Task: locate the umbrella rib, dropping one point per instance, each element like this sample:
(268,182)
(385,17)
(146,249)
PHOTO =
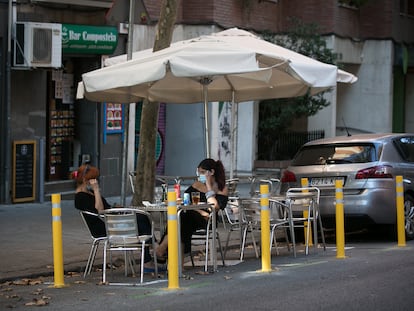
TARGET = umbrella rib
(231,86)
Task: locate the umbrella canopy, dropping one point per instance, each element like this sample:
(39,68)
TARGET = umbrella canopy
(233,64)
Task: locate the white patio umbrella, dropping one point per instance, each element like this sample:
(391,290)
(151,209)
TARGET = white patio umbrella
(232,65)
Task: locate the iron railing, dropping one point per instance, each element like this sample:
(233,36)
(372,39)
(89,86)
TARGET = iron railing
(284,146)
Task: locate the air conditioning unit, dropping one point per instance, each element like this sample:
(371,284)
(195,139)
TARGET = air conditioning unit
(38,45)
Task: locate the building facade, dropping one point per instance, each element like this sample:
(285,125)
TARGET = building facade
(374,40)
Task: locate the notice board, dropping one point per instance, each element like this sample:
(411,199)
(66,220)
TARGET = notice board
(24,171)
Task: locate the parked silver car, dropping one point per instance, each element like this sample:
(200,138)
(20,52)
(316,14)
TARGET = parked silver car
(367,164)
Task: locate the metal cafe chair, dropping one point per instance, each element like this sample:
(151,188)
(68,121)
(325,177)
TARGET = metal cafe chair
(233,221)
(206,235)
(250,216)
(96,227)
(300,200)
(279,219)
(123,235)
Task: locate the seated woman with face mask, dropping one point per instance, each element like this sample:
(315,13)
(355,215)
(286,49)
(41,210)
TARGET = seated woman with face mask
(211,184)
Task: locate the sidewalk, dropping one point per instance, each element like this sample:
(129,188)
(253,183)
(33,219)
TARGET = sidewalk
(27,243)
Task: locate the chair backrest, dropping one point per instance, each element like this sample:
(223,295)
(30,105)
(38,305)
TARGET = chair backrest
(121,226)
(250,210)
(95,224)
(255,182)
(232,210)
(232,186)
(275,188)
(278,211)
(300,198)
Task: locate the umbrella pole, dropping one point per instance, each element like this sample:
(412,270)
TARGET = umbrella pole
(205,82)
(232,142)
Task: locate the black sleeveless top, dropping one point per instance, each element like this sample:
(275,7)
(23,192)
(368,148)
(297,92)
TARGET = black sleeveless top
(221,198)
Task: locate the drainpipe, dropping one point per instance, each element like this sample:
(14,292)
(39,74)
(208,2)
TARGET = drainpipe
(124,173)
(7,132)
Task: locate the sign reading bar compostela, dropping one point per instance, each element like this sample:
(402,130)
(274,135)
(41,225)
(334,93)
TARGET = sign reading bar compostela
(24,170)
(84,39)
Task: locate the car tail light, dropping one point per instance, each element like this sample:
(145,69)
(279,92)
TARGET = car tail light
(381,171)
(288,176)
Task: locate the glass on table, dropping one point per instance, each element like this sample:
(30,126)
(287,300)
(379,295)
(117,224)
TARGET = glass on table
(195,197)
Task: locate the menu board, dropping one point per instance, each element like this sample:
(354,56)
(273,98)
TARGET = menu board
(24,171)
(113,119)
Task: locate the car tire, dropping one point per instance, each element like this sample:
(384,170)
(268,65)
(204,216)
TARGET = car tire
(409,216)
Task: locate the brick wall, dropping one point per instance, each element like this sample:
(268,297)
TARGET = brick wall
(374,20)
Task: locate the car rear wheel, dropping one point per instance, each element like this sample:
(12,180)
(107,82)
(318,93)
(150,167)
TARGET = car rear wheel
(409,216)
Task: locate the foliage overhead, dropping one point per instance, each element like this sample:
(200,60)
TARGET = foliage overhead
(277,115)
(303,38)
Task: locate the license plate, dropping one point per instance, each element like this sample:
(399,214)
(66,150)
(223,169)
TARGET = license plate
(325,181)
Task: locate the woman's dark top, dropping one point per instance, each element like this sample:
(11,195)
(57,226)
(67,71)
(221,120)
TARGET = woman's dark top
(221,198)
(191,221)
(86,202)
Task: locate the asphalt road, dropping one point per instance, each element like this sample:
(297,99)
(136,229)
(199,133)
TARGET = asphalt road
(375,275)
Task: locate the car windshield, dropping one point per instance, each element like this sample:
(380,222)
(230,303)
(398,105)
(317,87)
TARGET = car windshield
(335,154)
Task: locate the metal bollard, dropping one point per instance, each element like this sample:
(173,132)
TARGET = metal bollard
(173,240)
(57,241)
(400,210)
(339,217)
(265,227)
(305,183)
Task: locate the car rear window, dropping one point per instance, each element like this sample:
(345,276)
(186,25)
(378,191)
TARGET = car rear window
(335,154)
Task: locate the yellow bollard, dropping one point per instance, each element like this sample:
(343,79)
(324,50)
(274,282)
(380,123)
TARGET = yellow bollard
(57,241)
(400,211)
(339,217)
(265,227)
(173,240)
(304,183)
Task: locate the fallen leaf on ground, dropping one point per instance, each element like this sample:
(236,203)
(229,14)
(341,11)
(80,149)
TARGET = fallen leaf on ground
(7,283)
(21,282)
(12,296)
(79,282)
(35,282)
(37,302)
(38,291)
(27,282)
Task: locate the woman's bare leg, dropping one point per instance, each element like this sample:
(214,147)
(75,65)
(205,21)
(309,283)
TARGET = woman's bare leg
(162,247)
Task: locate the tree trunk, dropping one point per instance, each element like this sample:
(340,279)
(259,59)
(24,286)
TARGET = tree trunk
(146,164)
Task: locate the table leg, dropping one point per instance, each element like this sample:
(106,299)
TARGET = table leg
(213,242)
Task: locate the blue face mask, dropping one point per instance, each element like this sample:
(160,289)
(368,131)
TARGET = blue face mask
(202,178)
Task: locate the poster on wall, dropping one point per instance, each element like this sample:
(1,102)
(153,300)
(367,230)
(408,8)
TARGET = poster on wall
(113,119)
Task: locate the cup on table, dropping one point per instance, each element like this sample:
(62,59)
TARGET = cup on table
(195,197)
